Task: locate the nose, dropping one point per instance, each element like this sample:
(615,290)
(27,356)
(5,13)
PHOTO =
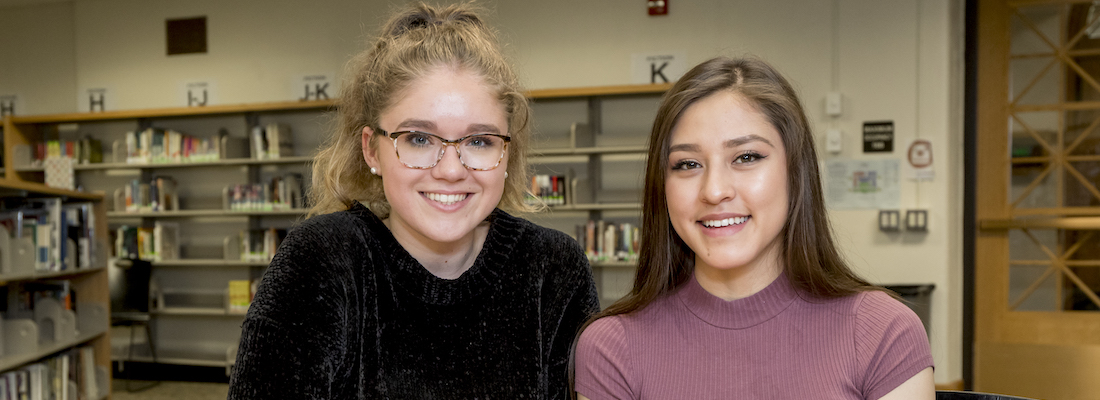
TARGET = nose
(450,168)
(717,187)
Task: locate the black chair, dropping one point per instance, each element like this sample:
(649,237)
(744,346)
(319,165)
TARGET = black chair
(129,284)
(960,395)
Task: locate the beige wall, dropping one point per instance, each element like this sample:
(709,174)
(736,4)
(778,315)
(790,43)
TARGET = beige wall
(897,60)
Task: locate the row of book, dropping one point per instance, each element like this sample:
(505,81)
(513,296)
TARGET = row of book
(281,193)
(161,242)
(86,150)
(158,145)
(271,141)
(71,375)
(608,241)
(44,234)
(260,244)
(548,189)
(159,194)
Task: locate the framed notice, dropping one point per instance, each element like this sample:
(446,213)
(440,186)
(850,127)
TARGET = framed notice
(862,184)
(878,137)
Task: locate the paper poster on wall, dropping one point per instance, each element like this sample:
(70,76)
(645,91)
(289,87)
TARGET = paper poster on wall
(311,87)
(657,67)
(862,184)
(10,104)
(920,160)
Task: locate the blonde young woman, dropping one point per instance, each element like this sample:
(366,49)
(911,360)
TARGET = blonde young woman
(410,280)
(740,290)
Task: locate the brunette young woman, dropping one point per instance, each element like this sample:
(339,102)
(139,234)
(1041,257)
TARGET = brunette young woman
(410,281)
(740,290)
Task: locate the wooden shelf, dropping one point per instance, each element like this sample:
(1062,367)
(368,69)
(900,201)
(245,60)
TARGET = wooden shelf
(204,213)
(590,151)
(219,163)
(10,362)
(597,207)
(174,112)
(601,91)
(615,264)
(6,279)
(196,312)
(209,263)
(32,189)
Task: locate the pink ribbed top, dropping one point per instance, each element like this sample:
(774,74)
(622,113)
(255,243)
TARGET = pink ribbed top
(774,344)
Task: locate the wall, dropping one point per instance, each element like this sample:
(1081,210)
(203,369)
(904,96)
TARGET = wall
(898,60)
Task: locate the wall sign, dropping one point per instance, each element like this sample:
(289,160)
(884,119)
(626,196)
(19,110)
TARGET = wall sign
(878,137)
(313,87)
(95,99)
(198,93)
(657,67)
(9,104)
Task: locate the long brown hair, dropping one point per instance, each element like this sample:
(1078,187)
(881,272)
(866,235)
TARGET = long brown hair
(810,257)
(412,43)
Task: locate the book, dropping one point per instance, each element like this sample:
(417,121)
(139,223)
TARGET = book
(239,296)
(166,238)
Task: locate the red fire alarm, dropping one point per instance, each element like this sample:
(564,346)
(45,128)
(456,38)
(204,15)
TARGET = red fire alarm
(657,7)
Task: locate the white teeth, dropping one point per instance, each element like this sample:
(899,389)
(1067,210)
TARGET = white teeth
(725,222)
(447,199)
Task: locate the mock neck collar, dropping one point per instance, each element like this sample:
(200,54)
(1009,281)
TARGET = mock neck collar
(740,313)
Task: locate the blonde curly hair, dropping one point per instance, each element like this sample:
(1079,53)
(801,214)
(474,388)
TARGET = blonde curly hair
(412,43)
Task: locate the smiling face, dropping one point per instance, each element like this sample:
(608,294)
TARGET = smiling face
(440,206)
(727,186)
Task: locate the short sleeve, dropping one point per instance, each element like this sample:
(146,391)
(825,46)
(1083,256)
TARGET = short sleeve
(890,342)
(603,362)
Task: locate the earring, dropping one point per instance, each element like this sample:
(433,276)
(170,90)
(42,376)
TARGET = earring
(374,170)
(505,174)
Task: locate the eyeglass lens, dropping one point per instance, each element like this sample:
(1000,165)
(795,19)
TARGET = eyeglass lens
(423,150)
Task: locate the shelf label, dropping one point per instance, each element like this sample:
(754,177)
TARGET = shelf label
(9,103)
(657,67)
(95,99)
(198,93)
(312,87)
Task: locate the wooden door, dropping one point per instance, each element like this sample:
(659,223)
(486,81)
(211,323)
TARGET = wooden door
(1037,248)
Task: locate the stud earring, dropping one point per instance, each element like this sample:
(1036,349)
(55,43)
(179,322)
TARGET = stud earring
(505,174)
(374,170)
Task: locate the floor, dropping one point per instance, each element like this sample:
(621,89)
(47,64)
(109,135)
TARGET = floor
(169,390)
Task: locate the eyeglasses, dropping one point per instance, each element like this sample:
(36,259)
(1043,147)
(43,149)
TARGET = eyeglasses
(423,150)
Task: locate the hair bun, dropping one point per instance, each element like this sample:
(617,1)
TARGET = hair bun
(422,16)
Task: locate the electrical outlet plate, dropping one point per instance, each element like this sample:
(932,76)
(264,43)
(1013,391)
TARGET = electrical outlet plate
(834,140)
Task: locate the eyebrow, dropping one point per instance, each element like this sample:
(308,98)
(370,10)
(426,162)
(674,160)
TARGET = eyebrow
(745,140)
(727,144)
(431,127)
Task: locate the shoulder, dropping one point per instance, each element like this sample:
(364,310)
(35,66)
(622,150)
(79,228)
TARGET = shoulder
(603,366)
(876,310)
(530,232)
(537,245)
(890,342)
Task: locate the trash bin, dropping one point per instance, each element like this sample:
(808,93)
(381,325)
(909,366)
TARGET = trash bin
(919,299)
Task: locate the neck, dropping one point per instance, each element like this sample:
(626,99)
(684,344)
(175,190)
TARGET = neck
(447,260)
(738,282)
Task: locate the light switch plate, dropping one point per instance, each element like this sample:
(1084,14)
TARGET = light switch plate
(833,103)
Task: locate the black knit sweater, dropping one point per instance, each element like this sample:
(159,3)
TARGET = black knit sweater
(344,312)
